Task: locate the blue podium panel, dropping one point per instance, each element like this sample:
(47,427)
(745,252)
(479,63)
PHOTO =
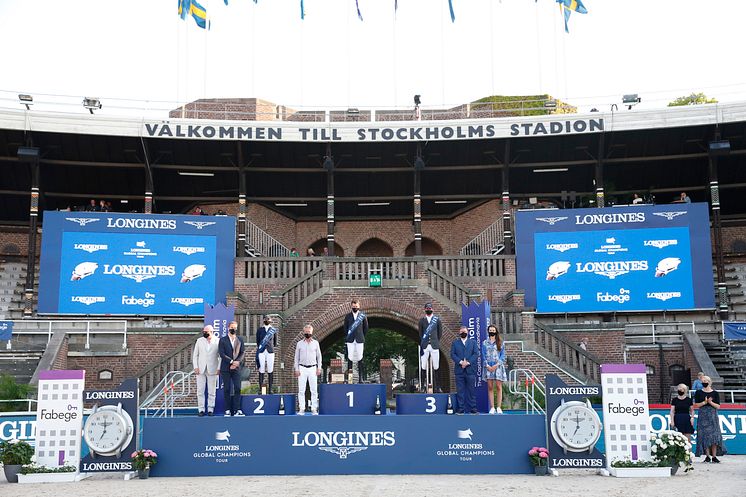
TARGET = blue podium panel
(424,403)
(337,398)
(335,445)
(263,405)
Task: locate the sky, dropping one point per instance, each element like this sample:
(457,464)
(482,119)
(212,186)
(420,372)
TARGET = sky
(141,54)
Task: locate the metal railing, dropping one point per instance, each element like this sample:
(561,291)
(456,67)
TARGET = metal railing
(153,373)
(19,401)
(469,266)
(581,360)
(161,401)
(653,333)
(485,242)
(50,324)
(508,319)
(301,289)
(360,268)
(263,242)
(524,383)
(278,268)
(452,291)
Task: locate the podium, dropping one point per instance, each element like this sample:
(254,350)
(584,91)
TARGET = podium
(337,398)
(267,405)
(424,403)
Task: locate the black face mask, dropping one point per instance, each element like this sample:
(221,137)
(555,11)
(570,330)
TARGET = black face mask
(206,334)
(267,322)
(705,385)
(463,335)
(355,309)
(681,392)
(492,333)
(307,335)
(232,331)
(428,312)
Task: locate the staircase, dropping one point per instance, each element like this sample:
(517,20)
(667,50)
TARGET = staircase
(20,364)
(731,368)
(488,242)
(260,243)
(12,283)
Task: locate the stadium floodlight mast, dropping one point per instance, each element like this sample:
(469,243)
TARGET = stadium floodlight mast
(26,100)
(631,100)
(91,103)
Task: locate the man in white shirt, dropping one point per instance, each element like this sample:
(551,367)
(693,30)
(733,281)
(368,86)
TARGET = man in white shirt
(307,368)
(206,363)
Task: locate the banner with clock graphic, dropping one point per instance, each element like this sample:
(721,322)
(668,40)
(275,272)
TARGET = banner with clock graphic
(573,426)
(111,429)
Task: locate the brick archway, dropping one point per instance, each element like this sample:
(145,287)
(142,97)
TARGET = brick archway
(405,315)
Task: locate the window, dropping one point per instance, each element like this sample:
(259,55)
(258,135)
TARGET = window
(649,369)
(105,374)
(675,368)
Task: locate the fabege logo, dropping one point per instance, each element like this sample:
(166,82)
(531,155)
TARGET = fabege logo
(90,247)
(663,295)
(88,300)
(192,272)
(660,243)
(146,301)
(551,220)
(561,247)
(187,301)
(189,250)
(557,269)
(200,224)
(667,265)
(83,270)
(621,298)
(563,299)
(82,221)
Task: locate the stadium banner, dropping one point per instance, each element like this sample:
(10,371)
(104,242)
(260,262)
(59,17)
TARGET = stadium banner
(331,445)
(219,316)
(414,131)
(59,418)
(734,330)
(6,330)
(630,258)
(476,317)
(134,264)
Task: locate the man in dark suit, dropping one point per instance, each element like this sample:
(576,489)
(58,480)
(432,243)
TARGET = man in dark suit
(356,327)
(231,350)
(430,333)
(464,354)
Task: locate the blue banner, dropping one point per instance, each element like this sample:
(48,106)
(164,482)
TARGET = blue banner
(632,258)
(6,330)
(331,445)
(476,317)
(134,264)
(734,330)
(219,317)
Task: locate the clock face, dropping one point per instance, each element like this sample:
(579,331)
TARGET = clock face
(106,430)
(577,426)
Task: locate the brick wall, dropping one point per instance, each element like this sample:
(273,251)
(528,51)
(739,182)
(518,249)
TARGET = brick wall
(734,239)
(651,356)
(608,346)
(14,241)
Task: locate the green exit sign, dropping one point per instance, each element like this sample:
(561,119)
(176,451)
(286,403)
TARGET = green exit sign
(374,280)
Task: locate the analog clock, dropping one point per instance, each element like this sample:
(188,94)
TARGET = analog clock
(108,430)
(575,426)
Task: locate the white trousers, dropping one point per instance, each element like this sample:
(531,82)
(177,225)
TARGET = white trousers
(211,381)
(309,375)
(266,362)
(355,351)
(430,352)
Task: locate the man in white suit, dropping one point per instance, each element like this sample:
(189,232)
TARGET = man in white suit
(206,363)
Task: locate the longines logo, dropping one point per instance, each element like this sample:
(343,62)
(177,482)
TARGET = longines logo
(611,269)
(90,247)
(152,224)
(87,300)
(465,451)
(551,220)
(137,272)
(187,301)
(189,250)
(561,247)
(670,215)
(563,299)
(222,450)
(663,295)
(200,224)
(82,221)
(344,443)
(660,243)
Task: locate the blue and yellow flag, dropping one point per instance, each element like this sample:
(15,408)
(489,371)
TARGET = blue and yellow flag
(194,9)
(568,6)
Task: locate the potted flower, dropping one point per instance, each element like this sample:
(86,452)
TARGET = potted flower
(672,449)
(142,460)
(638,469)
(14,454)
(539,457)
(35,473)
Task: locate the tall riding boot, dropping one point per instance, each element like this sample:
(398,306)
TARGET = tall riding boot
(361,372)
(436,386)
(349,371)
(269,382)
(261,381)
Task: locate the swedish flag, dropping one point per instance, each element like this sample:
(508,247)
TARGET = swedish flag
(569,6)
(194,9)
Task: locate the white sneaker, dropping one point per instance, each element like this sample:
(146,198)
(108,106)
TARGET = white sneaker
(226,413)
(492,410)
(499,411)
(314,412)
(240,413)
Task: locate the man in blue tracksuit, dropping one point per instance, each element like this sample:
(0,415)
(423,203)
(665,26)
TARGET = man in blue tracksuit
(464,354)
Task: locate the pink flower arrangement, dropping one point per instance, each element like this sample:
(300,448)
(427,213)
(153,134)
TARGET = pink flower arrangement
(538,456)
(144,458)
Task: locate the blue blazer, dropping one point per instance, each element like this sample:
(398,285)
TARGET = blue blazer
(468,351)
(226,352)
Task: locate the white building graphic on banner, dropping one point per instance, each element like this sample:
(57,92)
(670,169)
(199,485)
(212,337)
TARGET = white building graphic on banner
(59,418)
(626,420)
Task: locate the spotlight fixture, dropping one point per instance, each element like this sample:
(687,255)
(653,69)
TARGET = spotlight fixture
(329,163)
(28,153)
(631,100)
(419,164)
(26,100)
(719,148)
(417,100)
(91,104)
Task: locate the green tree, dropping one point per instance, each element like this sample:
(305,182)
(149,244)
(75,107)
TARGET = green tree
(11,390)
(379,344)
(693,99)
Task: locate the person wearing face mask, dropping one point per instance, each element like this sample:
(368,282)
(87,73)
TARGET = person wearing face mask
(464,353)
(356,326)
(307,368)
(266,341)
(206,364)
(493,370)
(231,350)
(682,412)
(709,437)
(430,332)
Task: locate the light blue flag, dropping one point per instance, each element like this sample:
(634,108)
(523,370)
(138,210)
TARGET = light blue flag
(450,7)
(358,10)
(568,6)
